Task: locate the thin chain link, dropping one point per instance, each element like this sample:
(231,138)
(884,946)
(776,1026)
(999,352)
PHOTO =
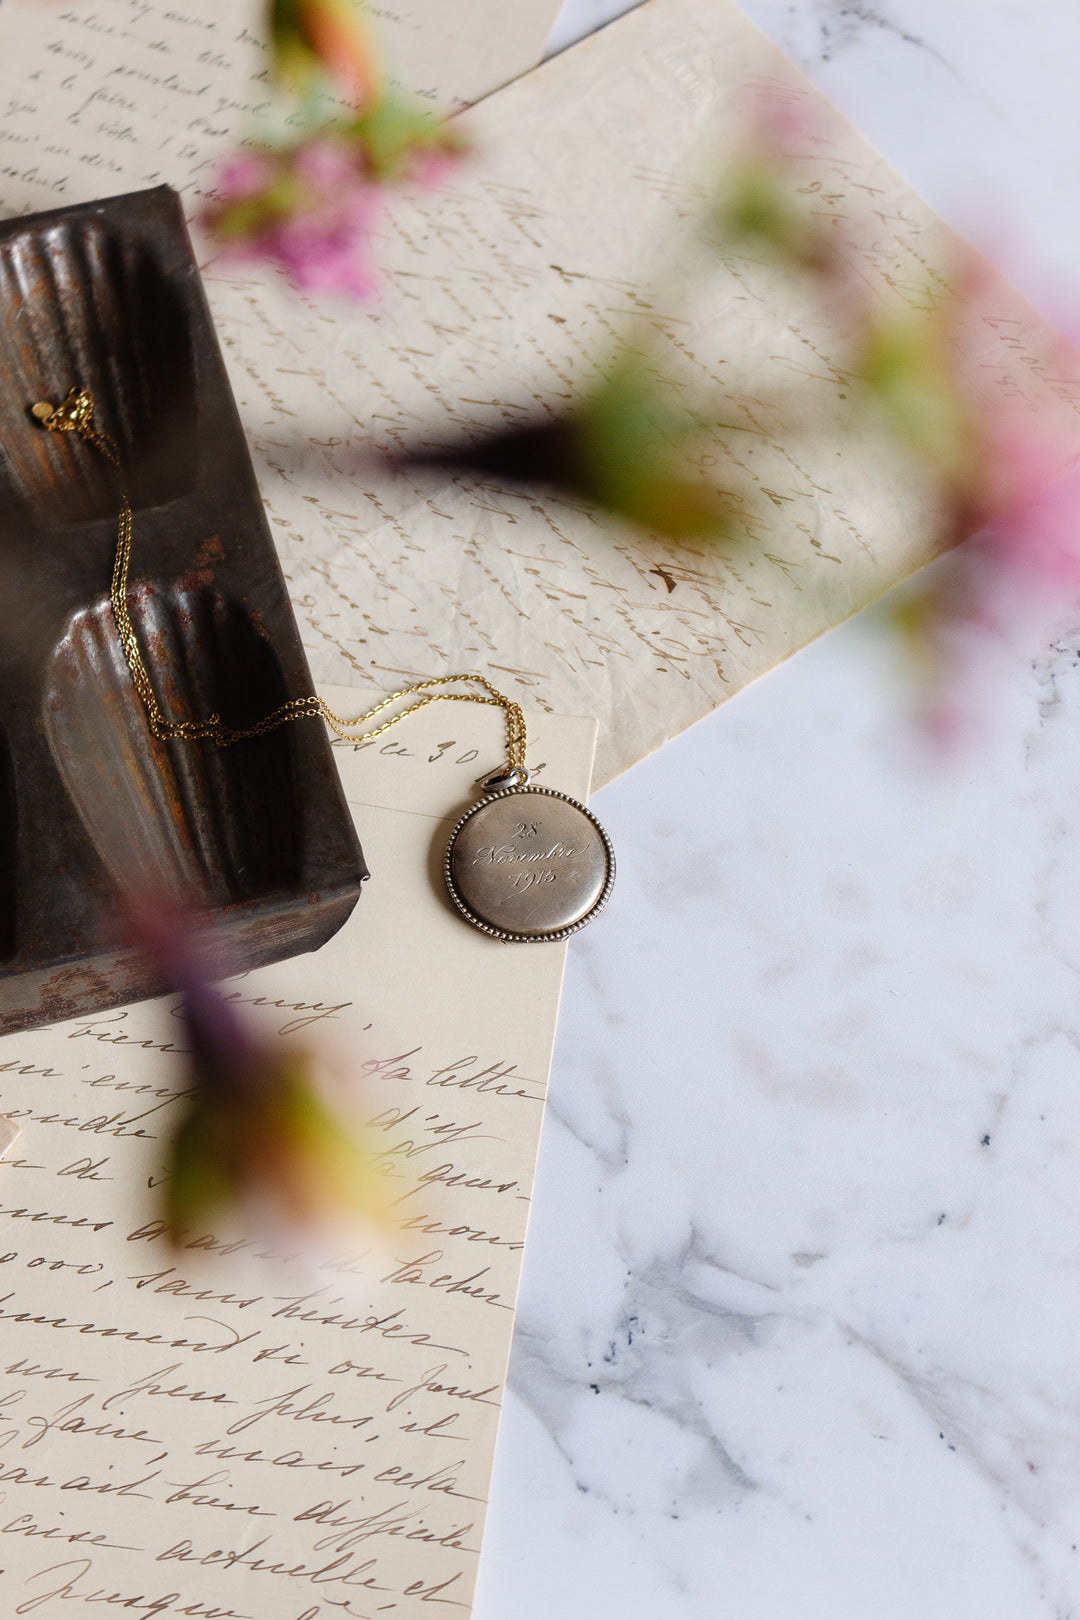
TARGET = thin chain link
(76,415)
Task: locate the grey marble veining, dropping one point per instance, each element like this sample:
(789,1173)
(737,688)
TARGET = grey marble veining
(799,1333)
(825,30)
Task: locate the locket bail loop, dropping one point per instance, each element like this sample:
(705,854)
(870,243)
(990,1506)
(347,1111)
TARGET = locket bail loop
(516,777)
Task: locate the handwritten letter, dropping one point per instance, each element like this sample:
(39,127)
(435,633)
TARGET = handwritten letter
(503,294)
(221,1430)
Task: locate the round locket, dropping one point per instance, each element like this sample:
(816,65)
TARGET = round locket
(528,864)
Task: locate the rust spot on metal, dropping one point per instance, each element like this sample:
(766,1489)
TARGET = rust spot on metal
(261,831)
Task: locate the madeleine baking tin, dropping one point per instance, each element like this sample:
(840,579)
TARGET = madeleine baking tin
(107,296)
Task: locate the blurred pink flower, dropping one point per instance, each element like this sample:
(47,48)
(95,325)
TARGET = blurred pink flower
(309,203)
(765,206)
(262,1128)
(1034,532)
(324,244)
(777,118)
(1019,572)
(310,211)
(312,207)
(432,168)
(245,175)
(1027,560)
(996,474)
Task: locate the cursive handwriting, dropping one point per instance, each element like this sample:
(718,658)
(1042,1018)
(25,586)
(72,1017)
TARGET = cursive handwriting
(71,1584)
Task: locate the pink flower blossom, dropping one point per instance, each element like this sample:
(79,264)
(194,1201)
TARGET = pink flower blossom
(310,205)
(1006,585)
(431,168)
(311,212)
(245,175)
(324,247)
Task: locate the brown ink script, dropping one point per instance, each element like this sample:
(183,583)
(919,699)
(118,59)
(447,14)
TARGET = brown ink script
(228,1429)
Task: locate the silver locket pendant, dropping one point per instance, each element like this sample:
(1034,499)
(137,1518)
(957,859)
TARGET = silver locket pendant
(528,864)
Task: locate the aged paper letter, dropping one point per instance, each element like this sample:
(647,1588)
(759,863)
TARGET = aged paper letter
(452,52)
(503,295)
(220,1430)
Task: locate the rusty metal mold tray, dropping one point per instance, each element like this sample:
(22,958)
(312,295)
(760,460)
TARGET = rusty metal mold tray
(106,295)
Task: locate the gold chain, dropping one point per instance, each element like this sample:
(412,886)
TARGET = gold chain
(76,415)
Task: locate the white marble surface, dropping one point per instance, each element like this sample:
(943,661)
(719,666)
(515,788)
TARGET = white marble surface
(799,1334)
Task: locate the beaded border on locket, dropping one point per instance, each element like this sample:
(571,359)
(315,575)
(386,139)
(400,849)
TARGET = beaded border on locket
(555,934)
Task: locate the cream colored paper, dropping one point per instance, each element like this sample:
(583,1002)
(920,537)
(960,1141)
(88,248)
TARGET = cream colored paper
(452,52)
(501,292)
(212,1433)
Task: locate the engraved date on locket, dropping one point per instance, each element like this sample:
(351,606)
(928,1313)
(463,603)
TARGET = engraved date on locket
(529,864)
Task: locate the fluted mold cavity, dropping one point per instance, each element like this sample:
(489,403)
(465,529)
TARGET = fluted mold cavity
(80,306)
(186,818)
